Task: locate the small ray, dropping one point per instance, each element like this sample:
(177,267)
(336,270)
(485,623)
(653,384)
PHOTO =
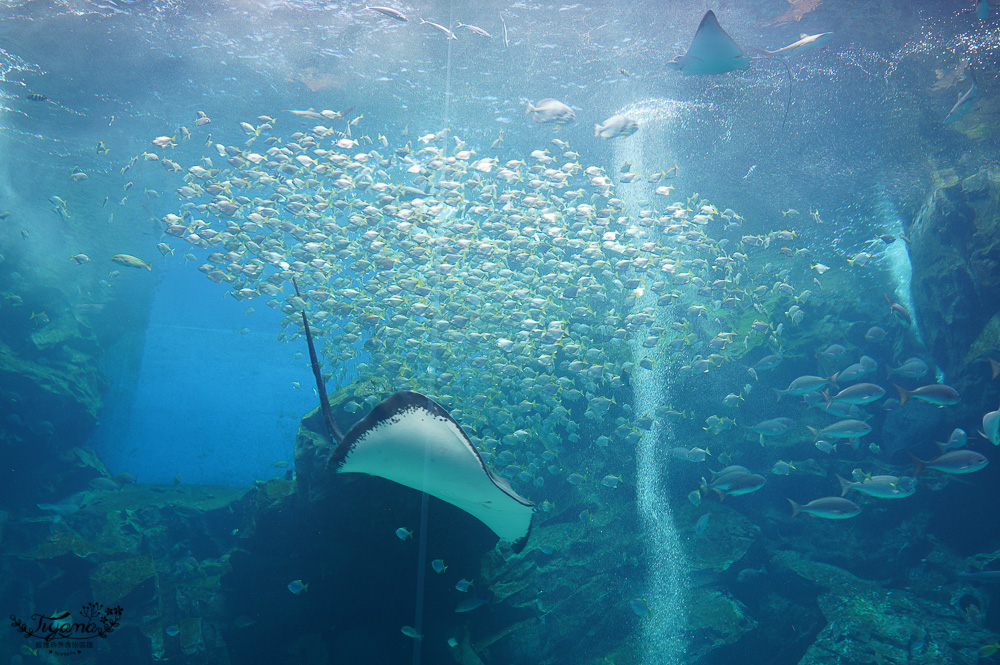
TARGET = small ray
(712,51)
(805,43)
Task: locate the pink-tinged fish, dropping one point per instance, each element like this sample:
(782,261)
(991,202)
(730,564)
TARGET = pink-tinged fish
(958,439)
(850,374)
(933,393)
(827,508)
(802,385)
(875,334)
(913,368)
(131,261)
(991,427)
(954,462)
(861,393)
(737,484)
(832,351)
(880,487)
(898,311)
(842,429)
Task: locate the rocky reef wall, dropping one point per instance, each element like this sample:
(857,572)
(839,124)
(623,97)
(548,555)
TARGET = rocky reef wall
(51,394)
(954,248)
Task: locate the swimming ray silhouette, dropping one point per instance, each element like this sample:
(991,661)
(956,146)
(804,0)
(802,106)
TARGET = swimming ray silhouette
(712,51)
(412,440)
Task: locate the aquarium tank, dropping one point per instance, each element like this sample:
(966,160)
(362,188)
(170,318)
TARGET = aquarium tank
(500,333)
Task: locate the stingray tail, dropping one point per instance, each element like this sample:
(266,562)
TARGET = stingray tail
(788,71)
(324,402)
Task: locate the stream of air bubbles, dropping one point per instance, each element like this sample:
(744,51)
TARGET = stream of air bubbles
(663,627)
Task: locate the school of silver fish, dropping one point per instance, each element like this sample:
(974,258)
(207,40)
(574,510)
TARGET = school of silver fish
(512,289)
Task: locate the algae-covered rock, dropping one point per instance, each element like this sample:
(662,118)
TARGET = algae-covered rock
(312,447)
(136,547)
(578,571)
(715,619)
(464,653)
(725,540)
(200,498)
(866,623)
(67,542)
(86,458)
(50,399)
(276,488)
(77,467)
(154,633)
(191,638)
(62,328)
(954,241)
(114,580)
(985,343)
(312,444)
(75,385)
(975,183)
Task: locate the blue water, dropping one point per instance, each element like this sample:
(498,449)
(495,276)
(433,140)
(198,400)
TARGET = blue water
(193,363)
(832,148)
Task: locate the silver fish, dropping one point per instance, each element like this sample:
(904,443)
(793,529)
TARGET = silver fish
(550,110)
(475,29)
(448,33)
(615,126)
(389,11)
(828,508)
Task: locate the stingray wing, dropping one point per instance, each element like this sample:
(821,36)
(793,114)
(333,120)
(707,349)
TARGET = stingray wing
(411,440)
(712,51)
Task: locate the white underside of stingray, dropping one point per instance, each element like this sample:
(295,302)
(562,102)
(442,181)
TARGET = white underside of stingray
(411,440)
(712,51)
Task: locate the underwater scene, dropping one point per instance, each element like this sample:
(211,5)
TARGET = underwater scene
(500,333)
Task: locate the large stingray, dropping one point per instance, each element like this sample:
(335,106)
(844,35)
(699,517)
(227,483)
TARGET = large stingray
(712,51)
(410,439)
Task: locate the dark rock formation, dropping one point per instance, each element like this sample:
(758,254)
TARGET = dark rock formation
(867,623)
(51,392)
(955,254)
(158,552)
